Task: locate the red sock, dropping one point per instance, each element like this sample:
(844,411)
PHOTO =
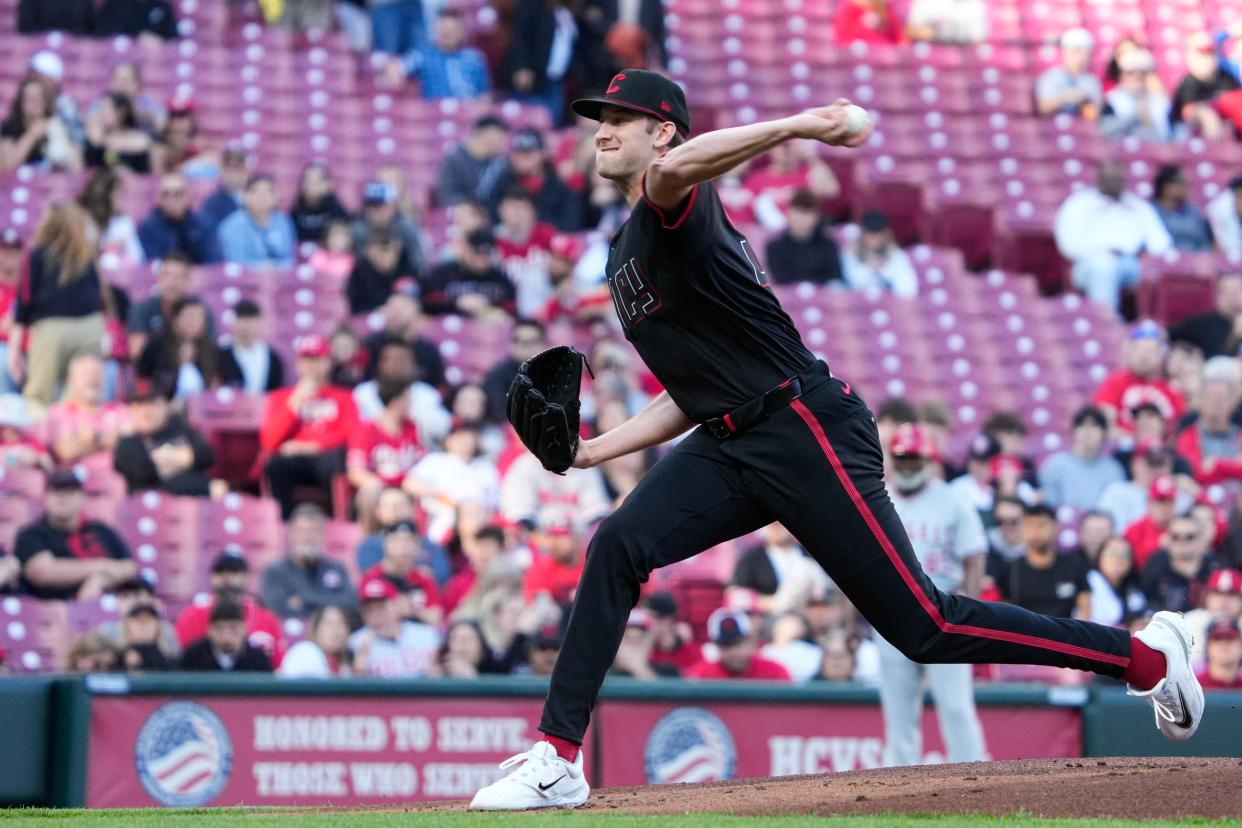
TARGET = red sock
(1147,666)
(565,749)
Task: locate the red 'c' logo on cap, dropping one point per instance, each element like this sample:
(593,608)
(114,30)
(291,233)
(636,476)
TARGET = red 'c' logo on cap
(614,85)
(664,105)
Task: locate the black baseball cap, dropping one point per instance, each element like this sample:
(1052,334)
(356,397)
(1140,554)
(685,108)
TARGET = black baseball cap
(65,478)
(639,90)
(527,139)
(229,562)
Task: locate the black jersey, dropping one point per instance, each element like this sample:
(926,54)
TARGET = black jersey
(697,306)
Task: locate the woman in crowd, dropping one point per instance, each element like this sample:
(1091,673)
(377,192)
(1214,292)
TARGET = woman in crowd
(114,138)
(1115,593)
(316,204)
(32,133)
(464,655)
(325,651)
(183,357)
(178,142)
(59,300)
(103,199)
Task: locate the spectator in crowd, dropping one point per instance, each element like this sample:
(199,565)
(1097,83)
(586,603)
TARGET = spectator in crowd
(840,659)
(673,648)
(125,79)
(227,198)
(1094,530)
(482,551)
(523,243)
(140,639)
(152,20)
(1005,538)
(779,571)
(1102,230)
(403,319)
(1146,533)
(446,67)
(334,257)
(82,428)
(868,21)
(1071,87)
(542,49)
(1175,577)
(381,214)
(634,655)
(621,475)
(1205,80)
(1077,477)
(114,137)
(163,453)
(1009,431)
(465,654)
(468,170)
(375,273)
(1223,667)
(792,166)
(472,285)
(529,167)
(730,631)
(102,199)
(33,132)
(183,357)
(1137,107)
(92,653)
(324,653)
(1141,380)
(791,648)
(258,234)
(444,480)
(227,580)
(1212,444)
(804,251)
(572,297)
(76,17)
(401,567)
(1210,331)
(527,339)
(349,361)
(397,26)
(388,645)
(305,427)
(1224,213)
(1222,596)
(948,21)
(225,647)
(1043,581)
(248,362)
(1126,501)
(304,581)
(172,228)
(150,317)
(875,261)
(533,496)
(395,506)
(1115,594)
(976,483)
(64,555)
(424,407)
(1186,225)
(556,571)
(177,145)
(131,594)
(316,203)
(47,67)
(1151,431)
(541,651)
(59,303)
(1184,370)
(383,450)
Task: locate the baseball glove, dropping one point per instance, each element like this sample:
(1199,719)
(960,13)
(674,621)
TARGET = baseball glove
(543,405)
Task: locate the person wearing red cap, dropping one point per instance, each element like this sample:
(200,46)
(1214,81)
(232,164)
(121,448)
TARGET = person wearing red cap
(555,572)
(571,300)
(1141,380)
(1222,669)
(1145,533)
(737,656)
(305,427)
(1223,596)
(388,645)
(1175,577)
(415,583)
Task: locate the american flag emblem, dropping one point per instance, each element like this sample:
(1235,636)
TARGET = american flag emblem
(183,755)
(690,744)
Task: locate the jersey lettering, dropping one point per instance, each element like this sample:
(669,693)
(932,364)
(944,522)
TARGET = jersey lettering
(633,297)
(761,276)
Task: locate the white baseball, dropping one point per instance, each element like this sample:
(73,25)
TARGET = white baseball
(856,119)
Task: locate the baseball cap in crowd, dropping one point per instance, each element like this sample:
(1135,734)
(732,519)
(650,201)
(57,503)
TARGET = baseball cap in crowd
(547,638)
(982,447)
(64,479)
(401,527)
(1147,329)
(378,192)
(247,308)
(873,221)
(556,527)
(180,104)
(229,561)
(481,239)
(1090,414)
(376,589)
(725,627)
(662,605)
(566,246)
(144,390)
(49,64)
(1163,488)
(1007,463)
(1077,38)
(526,140)
(11,239)
(312,345)
(639,618)
(143,609)
(909,441)
(639,90)
(1223,628)
(1227,581)
(489,121)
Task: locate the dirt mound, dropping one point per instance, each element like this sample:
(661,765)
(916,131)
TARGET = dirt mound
(1133,788)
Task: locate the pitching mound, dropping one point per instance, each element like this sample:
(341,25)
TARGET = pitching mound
(1134,788)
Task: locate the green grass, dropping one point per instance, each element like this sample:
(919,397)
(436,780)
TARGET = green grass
(284,818)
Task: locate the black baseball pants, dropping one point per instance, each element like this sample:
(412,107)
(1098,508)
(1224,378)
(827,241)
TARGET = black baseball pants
(817,467)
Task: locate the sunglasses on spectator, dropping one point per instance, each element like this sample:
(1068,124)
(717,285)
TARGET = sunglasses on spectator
(172,193)
(1013,521)
(1180,538)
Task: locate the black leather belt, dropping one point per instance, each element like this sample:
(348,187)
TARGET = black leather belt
(755,411)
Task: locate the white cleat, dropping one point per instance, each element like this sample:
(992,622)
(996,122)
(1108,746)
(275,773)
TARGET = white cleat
(543,780)
(1177,698)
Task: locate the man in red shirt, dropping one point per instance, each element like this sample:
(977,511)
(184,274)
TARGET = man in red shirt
(485,549)
(1223,670)
(557,571)
(730,631)
(523,243)
(416,585)
(1145,534)
(229,574)
(382,451)
(871,21)
(305,428)
(1141,381)
(672,641)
